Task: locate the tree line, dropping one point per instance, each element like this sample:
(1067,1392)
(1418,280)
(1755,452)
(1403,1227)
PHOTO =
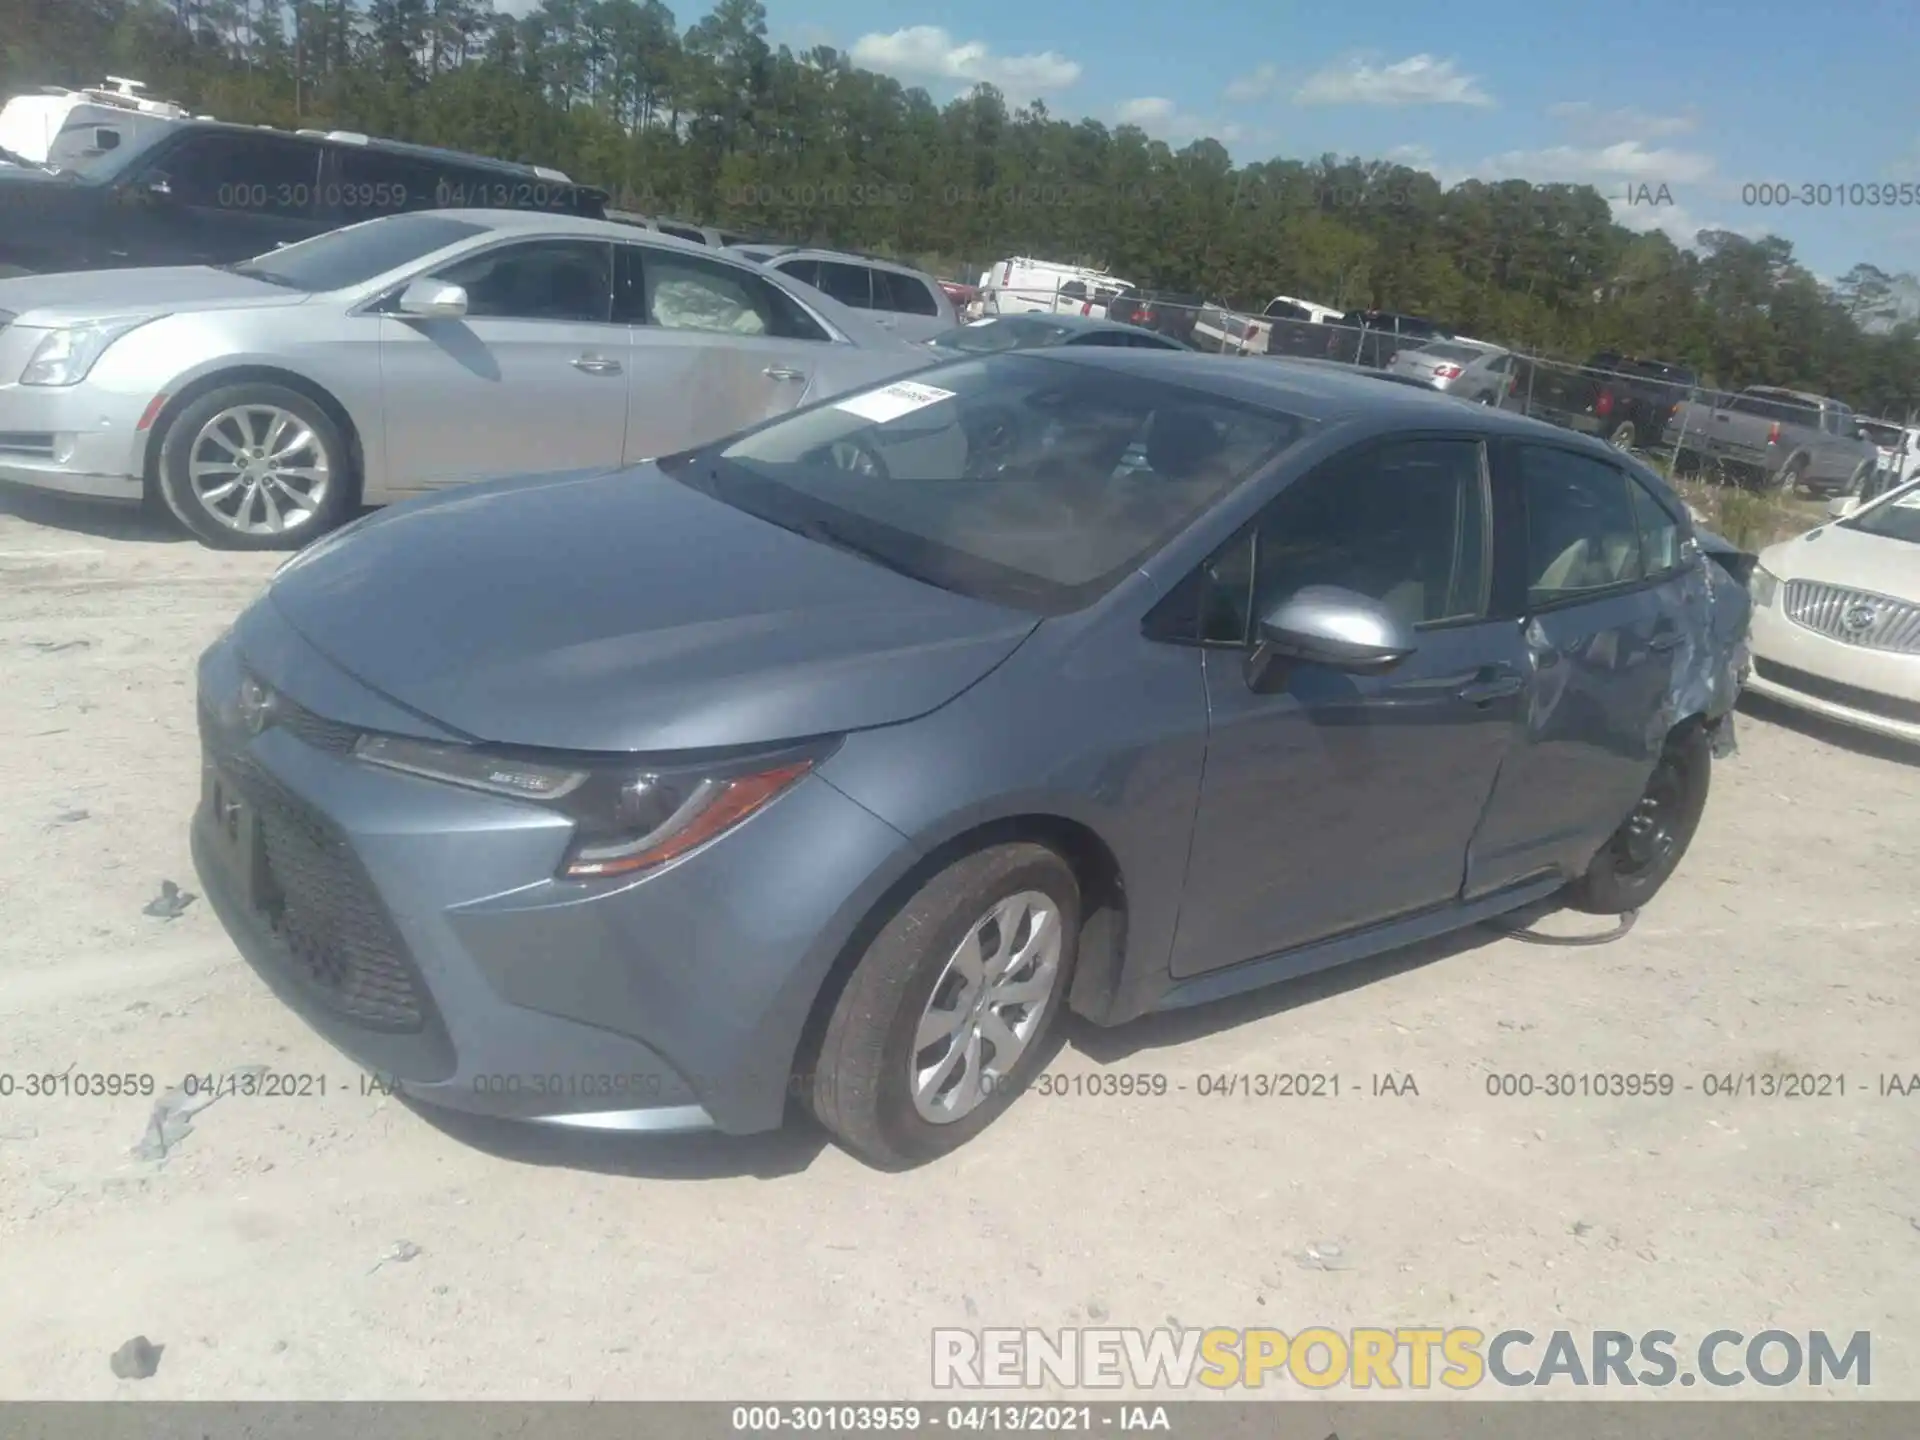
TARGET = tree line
(712,123)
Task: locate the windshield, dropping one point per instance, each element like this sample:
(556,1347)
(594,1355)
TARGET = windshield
(989,336)
(1021,479)
(357,254)
(1896,518)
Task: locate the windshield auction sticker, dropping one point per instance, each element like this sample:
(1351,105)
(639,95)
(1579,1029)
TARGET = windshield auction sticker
(903,397)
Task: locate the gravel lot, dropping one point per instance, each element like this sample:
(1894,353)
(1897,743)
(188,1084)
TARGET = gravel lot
(562,1267)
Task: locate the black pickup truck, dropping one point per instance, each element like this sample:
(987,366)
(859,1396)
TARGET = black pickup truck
(1623,399)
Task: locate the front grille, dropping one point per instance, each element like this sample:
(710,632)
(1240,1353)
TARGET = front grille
(336,938)
(1868,702)
(1890,624)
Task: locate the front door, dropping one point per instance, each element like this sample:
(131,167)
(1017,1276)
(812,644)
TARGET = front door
(716,348)
(1603,614)
(532,379)
(1332,801)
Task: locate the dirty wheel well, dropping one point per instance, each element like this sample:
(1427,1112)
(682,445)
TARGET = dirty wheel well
(253,375)
(1103,917)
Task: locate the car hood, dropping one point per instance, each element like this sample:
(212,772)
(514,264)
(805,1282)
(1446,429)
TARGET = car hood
(623,612)
(70,296)
(1835,555)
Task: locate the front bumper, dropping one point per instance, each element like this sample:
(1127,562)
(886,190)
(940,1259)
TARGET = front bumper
(1874,690)
(72,440)
(418,926)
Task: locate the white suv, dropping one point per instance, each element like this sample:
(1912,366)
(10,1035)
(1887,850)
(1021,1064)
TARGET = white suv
(904,300)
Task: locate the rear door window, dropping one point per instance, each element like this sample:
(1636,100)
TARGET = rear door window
(849,284)
(677,291)
(1582,533)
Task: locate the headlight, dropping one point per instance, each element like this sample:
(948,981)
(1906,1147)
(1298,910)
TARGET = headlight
(626,818)
(1762,587)
(66,355)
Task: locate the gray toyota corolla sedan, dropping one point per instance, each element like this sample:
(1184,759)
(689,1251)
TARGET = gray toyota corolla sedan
(834,759)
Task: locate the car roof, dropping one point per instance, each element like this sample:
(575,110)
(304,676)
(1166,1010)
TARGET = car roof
(1328,392)
(390,147)
(822,252)
(547,222)
(1083,323)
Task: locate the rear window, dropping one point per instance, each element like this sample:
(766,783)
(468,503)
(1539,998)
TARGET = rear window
(358,253)
(1785,411)
(903,294)
(1458,354)
(1282,310)
(1885,436)
(683,232)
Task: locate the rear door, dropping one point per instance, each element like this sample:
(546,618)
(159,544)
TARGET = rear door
(1601,616)
(716,348)
(216,196)
(533,377)
(1330,801)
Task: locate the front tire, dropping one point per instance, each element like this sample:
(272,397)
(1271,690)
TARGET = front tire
(1644,852)
(945,1017)
(1624,436)
(256,467)
(1790,477)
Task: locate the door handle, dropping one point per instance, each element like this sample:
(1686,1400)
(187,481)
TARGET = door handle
(783,372)
(597,365)
(1667,638)
(1495,682)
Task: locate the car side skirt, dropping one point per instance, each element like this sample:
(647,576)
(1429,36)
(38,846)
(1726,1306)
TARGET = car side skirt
(1357,944)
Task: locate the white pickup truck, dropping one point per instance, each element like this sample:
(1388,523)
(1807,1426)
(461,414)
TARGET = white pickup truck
(1233,333)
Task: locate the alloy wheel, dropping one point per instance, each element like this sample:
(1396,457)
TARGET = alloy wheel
(1622,436)
(986,1007)
(258,470)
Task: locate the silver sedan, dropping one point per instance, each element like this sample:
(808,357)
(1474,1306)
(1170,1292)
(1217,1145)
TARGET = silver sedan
(265,401)
(1467,368)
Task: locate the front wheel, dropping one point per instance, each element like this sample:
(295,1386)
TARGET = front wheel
(945,1016)
(1645,851)
(255,467)
(1623,436)
(1791,476)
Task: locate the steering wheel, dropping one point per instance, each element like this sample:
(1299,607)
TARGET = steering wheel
(856,457)
(993,435)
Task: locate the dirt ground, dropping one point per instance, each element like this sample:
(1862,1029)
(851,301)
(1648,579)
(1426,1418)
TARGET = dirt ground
(550,1266)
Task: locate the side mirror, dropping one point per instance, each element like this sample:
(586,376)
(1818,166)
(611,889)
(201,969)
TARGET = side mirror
(159,187)
(433,300)
(1842,507)
(1327,625)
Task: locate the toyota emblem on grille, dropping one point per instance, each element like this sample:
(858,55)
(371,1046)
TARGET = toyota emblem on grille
(256,705)
(1857,618)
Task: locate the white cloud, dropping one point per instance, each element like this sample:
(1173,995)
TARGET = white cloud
(1264,80)
(929,52)
(1165,120)
(1417,80)
(1589,122)
(1625,162)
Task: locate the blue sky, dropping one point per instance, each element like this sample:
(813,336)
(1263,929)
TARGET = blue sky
(1704,98)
